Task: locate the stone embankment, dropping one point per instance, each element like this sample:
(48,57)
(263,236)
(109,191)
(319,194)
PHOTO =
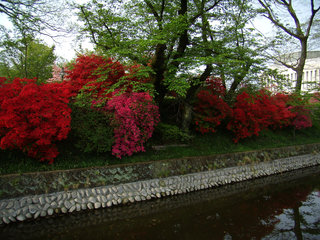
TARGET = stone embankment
(141,182)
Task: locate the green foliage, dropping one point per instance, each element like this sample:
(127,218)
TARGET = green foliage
(91,130)
(136,80)
(315,112)
(179,85)
(166,133)
(26,58)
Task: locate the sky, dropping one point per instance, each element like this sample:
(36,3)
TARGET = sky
(67,47)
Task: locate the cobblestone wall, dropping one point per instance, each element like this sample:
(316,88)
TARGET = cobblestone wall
(19,185)
(42,205)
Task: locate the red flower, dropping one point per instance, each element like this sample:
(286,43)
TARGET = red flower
(33,117)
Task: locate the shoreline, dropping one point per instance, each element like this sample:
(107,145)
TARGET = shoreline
(160,179)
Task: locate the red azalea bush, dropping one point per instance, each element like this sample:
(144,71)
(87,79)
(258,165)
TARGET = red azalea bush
(255,112)
(210,111)
(244,122)
(300,113)
(135,116)
(302,117)
(251,113)
(215,86)
(95,72)
(94,79)
(33,117)
(210,108)
(282,115)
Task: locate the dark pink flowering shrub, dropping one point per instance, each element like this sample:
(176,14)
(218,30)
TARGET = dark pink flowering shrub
(135,116)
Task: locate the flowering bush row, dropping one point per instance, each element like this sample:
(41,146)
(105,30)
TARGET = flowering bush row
(116,101)
(250,113)
(33,117)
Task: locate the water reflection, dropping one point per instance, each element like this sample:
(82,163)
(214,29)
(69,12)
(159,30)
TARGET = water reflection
(301,221)
(282,207)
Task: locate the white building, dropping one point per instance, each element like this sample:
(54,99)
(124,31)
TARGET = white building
(311,73)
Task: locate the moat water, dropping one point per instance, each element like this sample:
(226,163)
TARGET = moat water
(285,206)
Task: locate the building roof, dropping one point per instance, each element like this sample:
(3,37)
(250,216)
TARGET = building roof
(290,57)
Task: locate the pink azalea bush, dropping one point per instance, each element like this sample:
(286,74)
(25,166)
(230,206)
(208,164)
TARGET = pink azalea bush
(135,116)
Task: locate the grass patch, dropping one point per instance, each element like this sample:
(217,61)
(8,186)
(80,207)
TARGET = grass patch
(201,145)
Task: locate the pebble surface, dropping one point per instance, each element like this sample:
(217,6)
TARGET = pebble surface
(35,206)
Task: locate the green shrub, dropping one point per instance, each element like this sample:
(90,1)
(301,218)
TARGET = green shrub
(91,130)
(166,133)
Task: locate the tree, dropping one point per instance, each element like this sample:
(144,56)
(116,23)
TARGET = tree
(182,41)
(297,30)
(35,16)
(229,50)
(26,58)
(21,54)
(154,33)
(237,48)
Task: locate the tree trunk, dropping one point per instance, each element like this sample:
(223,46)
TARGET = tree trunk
(299,81)
(25,61)
(237,80)
(190,96)
(158,66)
(187,112)
(230,94)
(183,41)
(186,117)
(300,67)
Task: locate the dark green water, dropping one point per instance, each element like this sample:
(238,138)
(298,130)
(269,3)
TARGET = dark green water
(285,206)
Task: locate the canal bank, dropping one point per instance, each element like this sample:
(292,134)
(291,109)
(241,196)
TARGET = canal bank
(210,212)
(35,195)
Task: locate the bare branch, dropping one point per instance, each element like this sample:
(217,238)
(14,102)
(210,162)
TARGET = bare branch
(313,14)
(273,19)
